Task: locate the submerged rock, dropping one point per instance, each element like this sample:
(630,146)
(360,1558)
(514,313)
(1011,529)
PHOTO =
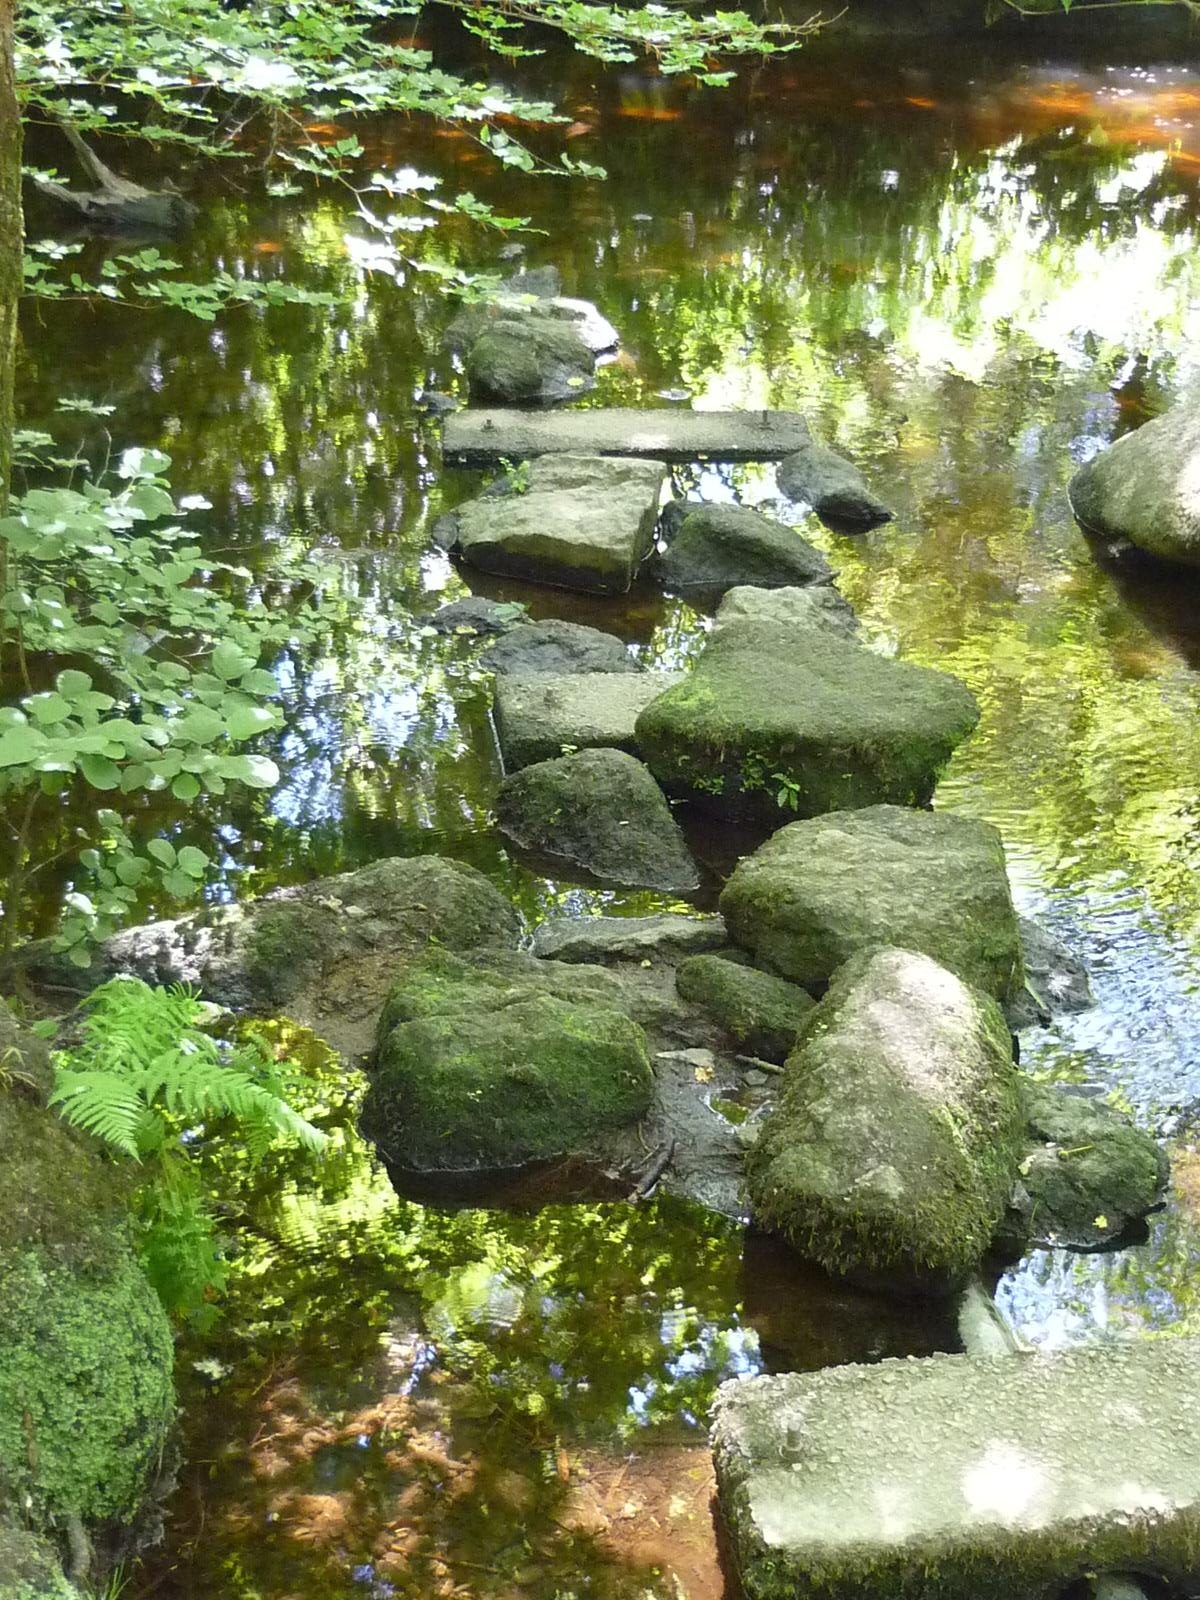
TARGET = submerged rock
(960,1479)
(662,938)
(716,547)
(577,521)
(529,360)
(893,1149)
(86,1353)
(543,717)
(478,615)
(1088,1172)
(818,892)
(557,647)
(832,486)
(1145,488)
(1056,980)
(817,606)
(482,1071)
(602,811)
(760,1013)
(775,719)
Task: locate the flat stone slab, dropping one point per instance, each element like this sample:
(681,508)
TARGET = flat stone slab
(951,1478)
(578,521)
(481,435)
(666,938)
(543,717)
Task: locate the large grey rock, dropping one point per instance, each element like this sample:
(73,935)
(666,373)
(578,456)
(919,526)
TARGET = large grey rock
(1087,1173)
(819,605)
(958,1479)
(758,1011)
(558,647)
(322,952)
(579,521)
(547,716)
(663,938)
(717,547)
(1146,487)
(893,1149)
(477,435)
(533,358)
(599,810)
(775,720)
(832,486)
(482,1070)
(818,892)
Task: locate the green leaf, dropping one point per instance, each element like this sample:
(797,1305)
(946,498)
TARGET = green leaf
(71,683)
(257,772)
(20,746)
(228,661)
(200,726)
(192,861)
(245,720)
(179,884)
(100,772)
(185,787)
(162,851)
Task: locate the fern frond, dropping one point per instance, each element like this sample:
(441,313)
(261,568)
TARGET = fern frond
(104,1104)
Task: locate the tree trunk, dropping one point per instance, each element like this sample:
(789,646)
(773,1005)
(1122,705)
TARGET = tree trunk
(11,244)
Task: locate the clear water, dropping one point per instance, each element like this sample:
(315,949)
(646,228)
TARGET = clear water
(971,265)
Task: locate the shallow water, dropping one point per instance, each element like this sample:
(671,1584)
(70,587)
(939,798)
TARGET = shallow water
(971,267)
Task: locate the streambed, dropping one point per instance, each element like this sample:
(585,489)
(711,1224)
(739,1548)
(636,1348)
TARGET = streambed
(970,269)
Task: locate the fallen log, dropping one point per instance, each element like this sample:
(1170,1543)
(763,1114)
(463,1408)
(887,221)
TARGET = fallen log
(116,205)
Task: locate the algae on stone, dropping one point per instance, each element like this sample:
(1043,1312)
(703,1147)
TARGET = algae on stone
(491,1070)
(817,605)
(777,721)
(761,1013)
(816,892)
(30,1569)
(599,810)
(893,1149)
(86,1355)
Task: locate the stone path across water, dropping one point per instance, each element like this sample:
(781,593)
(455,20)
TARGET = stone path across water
(477,436)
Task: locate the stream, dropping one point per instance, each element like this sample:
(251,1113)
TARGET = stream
(970,266)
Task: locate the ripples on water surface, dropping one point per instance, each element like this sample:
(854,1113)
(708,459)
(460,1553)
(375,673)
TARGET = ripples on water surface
(971,275)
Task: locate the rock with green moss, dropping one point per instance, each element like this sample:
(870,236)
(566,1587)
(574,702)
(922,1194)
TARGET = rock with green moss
(832,486)
(30,1568)
(86,1355)
(602,812)
(1088,1172)
(1145,488)
(818,605)
(952,1478)
(759,1012)
(482,1070)
(817,892)
(576,521)
(717,547)
(776,721)
(892,1152)
(529,360)
(542,717)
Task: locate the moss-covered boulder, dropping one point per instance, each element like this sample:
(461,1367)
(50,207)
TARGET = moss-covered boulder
(716,547)
(760,1013)
(1145,488)
(778,721)
(1088,1172)
(893,1149)
(817,892)
(481,1071)
(529,360)
(602,812)
(86,1356)
(30,1568)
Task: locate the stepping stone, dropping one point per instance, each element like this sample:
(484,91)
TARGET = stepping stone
(558,647)
(542,717)
(576,521)
(774,719)
(519,359)
(817,892)
(716,547)
(818,605)
(952,1478)
(477,436)
(601,811)
(894,1146)
(663,938)
(1146,488)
